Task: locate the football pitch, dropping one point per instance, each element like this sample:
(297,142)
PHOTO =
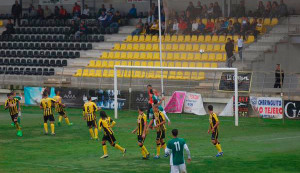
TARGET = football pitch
(257,145)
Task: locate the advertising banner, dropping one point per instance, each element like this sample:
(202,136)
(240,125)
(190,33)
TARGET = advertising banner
(194,104)
(139,99)
(175,104)
(72,97)
(292,109)
(33,95)
(58,2)
(268,107)
(243,105)
(227,81)
(105,98)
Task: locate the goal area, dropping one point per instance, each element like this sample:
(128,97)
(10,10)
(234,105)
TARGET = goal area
(171,79)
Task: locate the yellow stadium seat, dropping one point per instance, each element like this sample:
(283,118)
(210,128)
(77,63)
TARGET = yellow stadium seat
(194,38)
(85,73)
(174,38)
(192,64)
(163,47)
(129,38)
(136,47)
(219,57)
(150,56)
(98,64)
(180,38)
(182,48)
(190,56)
(172,75)
(129,47)
(137,63)
(123,55)
(201,38)
(224,57)
(207,39)
(197,57)
(201,76)
(110,64)
(135,38)
(144,63)
(154,38)
(164,56)
(204,57)
(117,63)
(127,73)
(150,64)
(111,55)
(203,47)
(189,47)
(110,73)
(185,64)
(129,55)
(143,56)
(78,73)
(222,39)
(195,48)
(137,74)
(250,39)
(186,75)
(209,48)
(211,57)
(104,55)
(222,48)
(142,38)
(267,21)
(167,38)
(187,38)
(124,63)
(179,75)
(117,46)
(236,48)
(155,47)
(169,47)
(156,56)
(123,47)
(194,75)
(171,64)
(92,73)
(156,64)
(98,73)
(175,47)
(150,74)
(274,21)
(177,56)
(136,55)
(117,55)
(199,64)
(214,65)
(92,64)
(214,39)
(178,64)
(206,65)
(148,47)
(170,56)
(148,38)
(217,48)
(183,56)
(104,64)
(142,47)
(120,73)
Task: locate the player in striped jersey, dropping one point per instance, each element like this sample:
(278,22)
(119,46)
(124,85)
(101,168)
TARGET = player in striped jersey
(214,129)
(46,105)
(141,132)
(60,109)
(12,105)
(19,97)
(107,123)
(89,114)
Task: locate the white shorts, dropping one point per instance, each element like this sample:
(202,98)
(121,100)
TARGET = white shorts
(178,168)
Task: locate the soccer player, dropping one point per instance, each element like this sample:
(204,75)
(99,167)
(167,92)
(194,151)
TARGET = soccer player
(14,95)
(155,102)
(175,149)
(141,132)
(12,104)
(150,102)
(60,109)
(214,129)
(46,105)
(160,127)
(89,113)
(107,123)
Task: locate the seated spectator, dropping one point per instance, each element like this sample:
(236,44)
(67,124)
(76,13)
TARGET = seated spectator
(102,9)
(210,11)
(182,26)
(283,10)
(85,12)
(253,29)
(62,13)
(195,27)
(76,10)
(102,19)
(150,18)
(73,28)
(40,12)
(111,9)
(198,10)
(146,29)
(108,21)
(118,17)
(47,13)
(217,12)
(114,23)
(9,28)
(83,30)
(236,26)
(175,28)
(230,28)
(163,27)
(260,26)
(241,9)
(201,27)
(260,9)
(223,29)
(132,12)
(56,12)
(217,27)
(138,28)
(245,27)
(154,29)
(226,22)
(209,26)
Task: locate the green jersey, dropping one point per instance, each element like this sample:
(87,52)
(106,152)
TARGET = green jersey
(159,107)
(18,98)
(175,147)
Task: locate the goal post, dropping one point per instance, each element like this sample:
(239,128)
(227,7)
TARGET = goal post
(234,70)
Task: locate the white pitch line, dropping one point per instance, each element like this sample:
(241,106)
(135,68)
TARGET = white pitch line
(274,139)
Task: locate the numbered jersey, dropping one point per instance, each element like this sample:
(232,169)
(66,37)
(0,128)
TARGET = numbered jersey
(142,118)
(176,145)
(89,110)
(47,104)
(158,118)
(106,125)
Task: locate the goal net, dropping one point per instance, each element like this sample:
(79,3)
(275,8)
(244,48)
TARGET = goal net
(130,84)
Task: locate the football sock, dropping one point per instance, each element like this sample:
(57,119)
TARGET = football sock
(17,126)
(157,149)
(104,149)
(143,153)
(119,147)
(163,145)
(19,120)
(145,149)
(46,127)
(52,128)
(218,146)
(67,121)
(91,132)
(96,133)
(59,119)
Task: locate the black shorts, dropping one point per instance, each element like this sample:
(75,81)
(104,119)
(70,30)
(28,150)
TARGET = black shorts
(62,113)
(110,138)
(215,135)
(160,135)
(14,117)
(141,139)
(91,123)
(49,117)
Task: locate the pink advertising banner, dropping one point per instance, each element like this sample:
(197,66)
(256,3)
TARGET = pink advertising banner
(175,104)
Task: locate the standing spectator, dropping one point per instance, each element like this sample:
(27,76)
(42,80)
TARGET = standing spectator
(210,10)
(47,13)
(85,12)
(274,10)
(217,12)
(111,9)
(253,30)
(268,9)
(240,43)
(241,10)
(139,28)
(73,28)
(16,11)
(279,77)
(198,9)
(229,47)
(204,11)
(132,12)
(9,28)
(62,13)
(260,9)
(102,9)
(76,10)
(283,10)
(40,12)
(32,12)
(191,9)
(56,12)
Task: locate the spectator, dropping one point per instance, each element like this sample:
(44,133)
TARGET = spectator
(83,30)
(210,11)
(195,27)
(274,10)
(111,9)
(56,12)
(151,18)
(237,26)
(154,29)
(191,9)
(138,28)
(154,10)
(198,10)
(85,12)
(114,23)
(73,28)
(119,18)
(260,26)
(40,12)
(245,27)
(253,26)
(260,9)
(241,10)
(132,12)
(279,77)
(76,10)
(9,28)
(146,29)
(229,47)
(230,28)
(102,9)
(175,28)
(283,10)
(182,26)
(163,27)
(268,9)
(204,11)
(217,27)
(223,29)
(47,13)
(201,27)
(62,13)
(32,12)
(16,11)
(103,19)
(240,43)
(217,12)
(209,26)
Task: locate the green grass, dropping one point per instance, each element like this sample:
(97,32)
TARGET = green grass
(257,145)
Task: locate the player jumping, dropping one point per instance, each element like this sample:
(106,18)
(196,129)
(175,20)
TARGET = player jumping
(46,105)
(107,123)
(214,129)
(89,113)
(12,104)
(175,149)
(60,109)
(141,132)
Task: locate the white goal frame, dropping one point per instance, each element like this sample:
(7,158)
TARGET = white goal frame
(235,70)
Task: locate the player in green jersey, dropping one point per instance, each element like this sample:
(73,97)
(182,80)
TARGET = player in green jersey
(175,148)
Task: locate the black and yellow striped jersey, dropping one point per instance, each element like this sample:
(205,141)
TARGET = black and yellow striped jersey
(89,111)
(106,124)
(213,119)
(58,104)
(14,106)
(46,104)
(142,118)
(158,118)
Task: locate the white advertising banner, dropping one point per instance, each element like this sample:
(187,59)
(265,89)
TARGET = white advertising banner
(228,110)
(194,104)
(268,107)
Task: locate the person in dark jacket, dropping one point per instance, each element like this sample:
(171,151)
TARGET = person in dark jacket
(16,12)
(279,77)
(73,28)
(9,28)
(229,48)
